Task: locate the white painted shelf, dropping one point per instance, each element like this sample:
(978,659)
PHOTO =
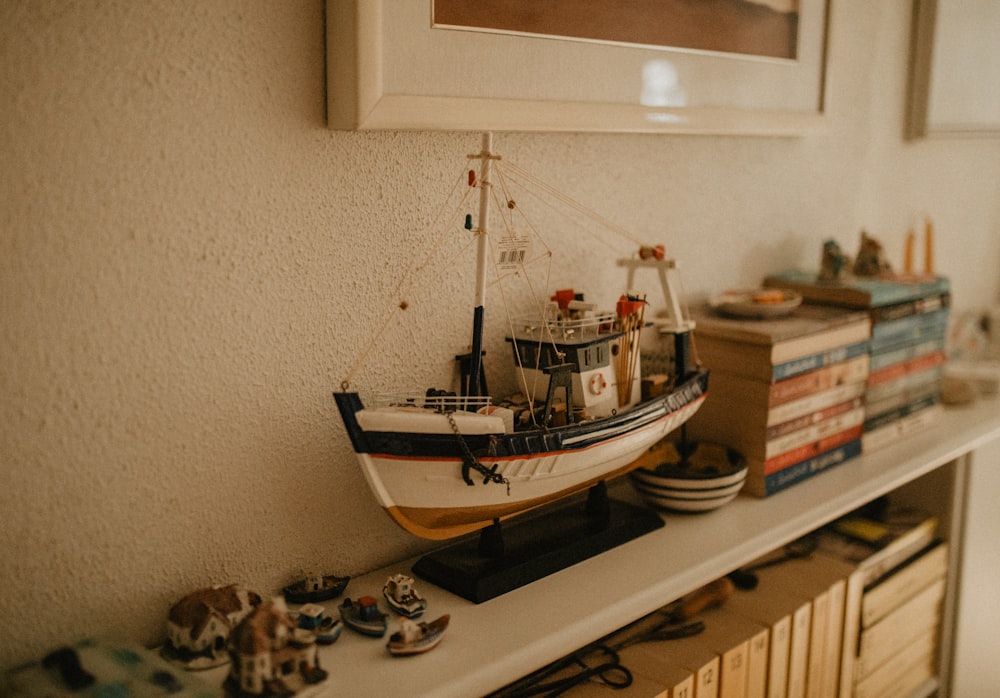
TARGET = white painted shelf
(491,644)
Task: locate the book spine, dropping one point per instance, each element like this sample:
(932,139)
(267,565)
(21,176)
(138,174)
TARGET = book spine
(877,420)
(796,367)
(817,401)
(798,655)
(910,329)
(813,436)
(777,663)
(911,383)
(806,420)
(913,575)
(852,631)
(873,408)
(821,379)
(834,638)
(879,564)
(772,483)
(733,665)
(888,357)
(918,615)
(807,451)
(894,431)
(817,644)
(757,664)
(887,313)
(912,365)
(903,673)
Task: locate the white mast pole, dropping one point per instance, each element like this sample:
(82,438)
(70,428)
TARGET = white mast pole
(482,241)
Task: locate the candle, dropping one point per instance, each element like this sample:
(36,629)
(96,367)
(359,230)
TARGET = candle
(908,253)
(929,248)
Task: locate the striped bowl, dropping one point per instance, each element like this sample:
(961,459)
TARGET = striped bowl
(705,478)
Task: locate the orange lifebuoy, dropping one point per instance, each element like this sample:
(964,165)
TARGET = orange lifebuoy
(597,383)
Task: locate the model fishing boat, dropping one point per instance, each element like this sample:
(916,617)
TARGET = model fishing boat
(402,596)
(364,616)
(417,638)
(315,588)
(313,620)
(443,464)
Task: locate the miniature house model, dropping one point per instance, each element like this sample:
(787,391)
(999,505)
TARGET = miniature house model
(268,657)
(199,625)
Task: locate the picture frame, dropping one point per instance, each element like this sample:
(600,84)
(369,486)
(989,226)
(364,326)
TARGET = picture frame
(388,67)
(954,79)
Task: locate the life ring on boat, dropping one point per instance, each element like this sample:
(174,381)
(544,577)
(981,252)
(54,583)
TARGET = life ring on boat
(597,383)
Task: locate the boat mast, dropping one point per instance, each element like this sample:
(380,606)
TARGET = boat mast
(482,249)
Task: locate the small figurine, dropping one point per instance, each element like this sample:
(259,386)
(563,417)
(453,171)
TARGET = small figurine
(268,657)
(364,616)
(834,262)
(402,596)
(199,625)
(871,260)
(417,638)
(314,588)
(313,620)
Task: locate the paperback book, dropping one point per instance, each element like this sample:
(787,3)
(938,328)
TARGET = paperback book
(859,292)
(807,331)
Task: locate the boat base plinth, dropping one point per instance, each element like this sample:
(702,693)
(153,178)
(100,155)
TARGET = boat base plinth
(534,548)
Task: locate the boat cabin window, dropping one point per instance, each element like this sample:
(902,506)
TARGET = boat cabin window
(534,356)
(592,356)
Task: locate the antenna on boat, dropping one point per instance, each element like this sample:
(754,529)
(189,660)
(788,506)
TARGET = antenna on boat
(485,157)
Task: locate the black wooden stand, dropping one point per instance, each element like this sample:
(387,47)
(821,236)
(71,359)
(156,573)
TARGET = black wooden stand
(510,555)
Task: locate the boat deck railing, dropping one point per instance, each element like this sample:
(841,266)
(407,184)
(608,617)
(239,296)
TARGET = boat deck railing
(579,328)
(439,402)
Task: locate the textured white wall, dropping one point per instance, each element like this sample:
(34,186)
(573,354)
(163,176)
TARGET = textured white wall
(188,259)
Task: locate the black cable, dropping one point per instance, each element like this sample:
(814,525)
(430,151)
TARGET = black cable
(609,670)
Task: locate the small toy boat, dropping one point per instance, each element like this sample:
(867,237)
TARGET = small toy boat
(313,619)
(402,597)
(364,616)
(315,588)
(417,638)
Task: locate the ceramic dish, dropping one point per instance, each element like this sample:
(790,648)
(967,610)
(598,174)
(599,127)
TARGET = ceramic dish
(706,477)
(759,303)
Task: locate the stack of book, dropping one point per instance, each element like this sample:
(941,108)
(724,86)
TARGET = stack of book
(893,602)
(787,392)
(909,328)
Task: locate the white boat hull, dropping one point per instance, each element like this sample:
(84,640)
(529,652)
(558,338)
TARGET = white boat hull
(429,497)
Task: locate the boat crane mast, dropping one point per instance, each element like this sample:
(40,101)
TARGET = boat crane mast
(486,157)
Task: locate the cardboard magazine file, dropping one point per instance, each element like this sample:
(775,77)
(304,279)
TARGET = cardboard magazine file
(649,672)
(788,621)
(743,647)
(918,617)
(682,655)
(905,672)
(903,583)
(821,580)
(876,547)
